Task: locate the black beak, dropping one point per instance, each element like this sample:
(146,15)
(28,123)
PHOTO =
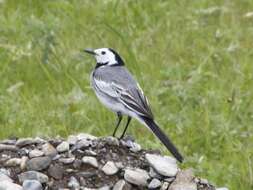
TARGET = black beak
(90,51)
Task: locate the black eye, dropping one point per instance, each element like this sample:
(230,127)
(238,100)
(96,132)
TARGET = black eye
(103,52)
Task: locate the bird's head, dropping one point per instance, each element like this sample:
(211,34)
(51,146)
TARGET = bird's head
(105,56)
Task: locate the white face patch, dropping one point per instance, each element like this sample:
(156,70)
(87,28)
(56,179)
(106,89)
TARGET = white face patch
(105,56)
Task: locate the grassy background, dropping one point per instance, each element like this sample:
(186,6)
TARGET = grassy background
(193,60)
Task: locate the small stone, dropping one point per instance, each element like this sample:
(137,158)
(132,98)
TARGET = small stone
(25,141)
(166,185)
(110,168)
(222,188)
(73,183)
(122,185)
(35,153)
(7,185)
(8,147)
(83,143)
(184,180)
(23,162)
(56,171)
(164,165)
(39,163)
(133,146)
(49,150)
(136,176)
(72,139)
(4,177)
(32,185)
(203,181)
(90,153)
(111,140)
(5,172)
(155,183)
(154,174)
(106,187)
(63,147)
(86,136)
(90,160)
(67,160)
(32,175)
(13,162)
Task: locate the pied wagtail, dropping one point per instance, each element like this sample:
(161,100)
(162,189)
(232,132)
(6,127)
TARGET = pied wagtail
(117,90)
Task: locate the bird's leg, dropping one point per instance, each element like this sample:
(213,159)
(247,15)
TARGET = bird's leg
(117,125)
(128,121)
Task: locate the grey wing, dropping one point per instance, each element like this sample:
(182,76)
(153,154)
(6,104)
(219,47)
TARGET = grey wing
(126,91)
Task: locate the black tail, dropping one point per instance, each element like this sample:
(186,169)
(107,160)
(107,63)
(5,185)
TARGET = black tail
(163,138)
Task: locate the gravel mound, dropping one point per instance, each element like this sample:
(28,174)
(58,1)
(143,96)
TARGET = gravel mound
(86,162)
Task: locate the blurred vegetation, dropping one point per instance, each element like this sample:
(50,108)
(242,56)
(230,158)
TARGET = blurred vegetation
(192,58)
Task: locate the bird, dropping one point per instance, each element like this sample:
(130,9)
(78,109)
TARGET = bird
(117,89)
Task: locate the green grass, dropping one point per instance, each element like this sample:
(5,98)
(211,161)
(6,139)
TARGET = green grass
(193,60)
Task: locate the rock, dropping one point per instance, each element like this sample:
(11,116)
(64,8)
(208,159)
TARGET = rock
(154,174)
(184,180)
(39,163)
(90,160)
(204,181)
(25,141)
(155,183)
(136,176)
(83,143)
(122,185)
(133,146)
(90,153)
(164,165)
(7,185)
(49,150)
(5,171)
(8,147)
(67,160)
(13,162)
(110,168)
(165,186)
(4,177)
(86,136)
(32,185)
(222,188)
(72,139)
(73,183)
(35,153)
(63,147)
(106,187)
(33,175)
(56,171)
(111,140)
(23,162)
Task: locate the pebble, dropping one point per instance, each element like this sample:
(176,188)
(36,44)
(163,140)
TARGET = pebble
(32,185)
(111,140)
(25,141)
(5,171)
(110,168)
(56,171)
(4,177)
(73,183)
(136,176)
(154,174)
(33,175)
(63,147)
(122,185)
(90,160)
(8,147)
(165,186)
(72,139)
(49,150)
(23,162)
(67,160)
(39,163)
(35,153)
(83,143)
(7,185)
(184,180)
(133,146)
(164,165)
(86,136)
(155,183)
(13,162)
(222,188)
